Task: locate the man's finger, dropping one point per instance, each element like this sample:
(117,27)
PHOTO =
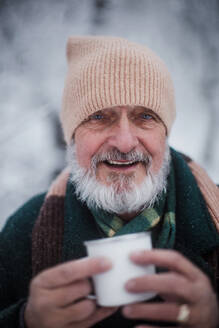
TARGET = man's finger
(79,311)
(165,283)
(99,315)
(167,312)
(65,274)
(169,259)
(66,295)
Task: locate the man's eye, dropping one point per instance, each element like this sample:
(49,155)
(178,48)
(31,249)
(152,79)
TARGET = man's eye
(97,117)
(146,116)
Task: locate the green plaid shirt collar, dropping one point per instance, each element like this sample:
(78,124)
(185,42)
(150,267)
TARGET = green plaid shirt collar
(110,224)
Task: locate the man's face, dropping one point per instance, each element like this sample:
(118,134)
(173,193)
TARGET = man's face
(129,135)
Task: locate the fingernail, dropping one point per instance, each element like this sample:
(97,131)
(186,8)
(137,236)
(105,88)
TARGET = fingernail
(105,263)
(138,254)
(130,284)
(127,310)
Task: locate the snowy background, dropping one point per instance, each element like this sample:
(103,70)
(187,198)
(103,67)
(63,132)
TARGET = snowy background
(33,34)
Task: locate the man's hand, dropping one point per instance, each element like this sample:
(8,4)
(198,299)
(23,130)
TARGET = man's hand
(184,283)
(58,296)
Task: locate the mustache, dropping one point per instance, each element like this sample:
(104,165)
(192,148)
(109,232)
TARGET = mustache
(116,155)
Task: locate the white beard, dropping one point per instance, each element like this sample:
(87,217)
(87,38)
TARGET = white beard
(122,195)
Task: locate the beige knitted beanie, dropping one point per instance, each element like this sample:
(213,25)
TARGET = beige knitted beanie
(107,71)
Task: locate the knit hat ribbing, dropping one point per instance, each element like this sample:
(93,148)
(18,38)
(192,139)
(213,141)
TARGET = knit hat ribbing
(107,71)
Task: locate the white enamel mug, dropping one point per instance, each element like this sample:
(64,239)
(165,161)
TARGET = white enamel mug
(110,286)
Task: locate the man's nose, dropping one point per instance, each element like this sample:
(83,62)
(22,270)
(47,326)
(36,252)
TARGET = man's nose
(123,136)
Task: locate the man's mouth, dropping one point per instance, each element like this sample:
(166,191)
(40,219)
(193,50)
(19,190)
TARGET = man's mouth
(121,164)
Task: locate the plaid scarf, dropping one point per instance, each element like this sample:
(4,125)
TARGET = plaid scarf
(63,221)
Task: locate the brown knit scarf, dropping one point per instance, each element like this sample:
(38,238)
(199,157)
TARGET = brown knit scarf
(48,230)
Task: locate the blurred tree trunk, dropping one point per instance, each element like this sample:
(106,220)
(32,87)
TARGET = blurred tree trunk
(59,144)
(98,18)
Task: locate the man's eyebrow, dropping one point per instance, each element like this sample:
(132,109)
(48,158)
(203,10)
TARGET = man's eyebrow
(148,111)
(94,113)
(87,118)
(97,112)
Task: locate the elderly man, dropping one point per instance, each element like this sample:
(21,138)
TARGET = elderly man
(122,177)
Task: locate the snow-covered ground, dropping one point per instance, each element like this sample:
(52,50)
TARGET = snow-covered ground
(33,65)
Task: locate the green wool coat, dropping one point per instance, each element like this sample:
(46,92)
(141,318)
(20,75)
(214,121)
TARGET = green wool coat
(196,237)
